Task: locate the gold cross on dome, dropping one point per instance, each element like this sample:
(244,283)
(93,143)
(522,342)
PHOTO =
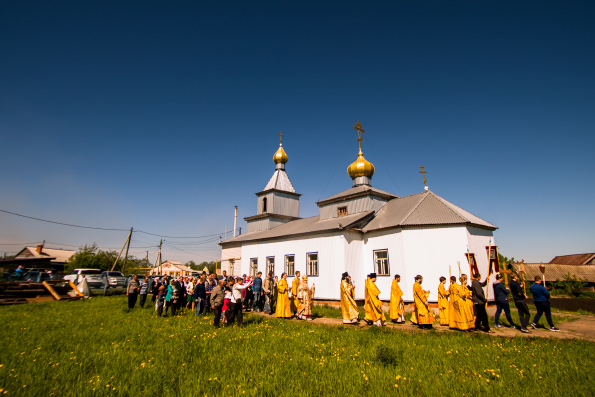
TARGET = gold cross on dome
(280,137)
(359,129)
(424,175)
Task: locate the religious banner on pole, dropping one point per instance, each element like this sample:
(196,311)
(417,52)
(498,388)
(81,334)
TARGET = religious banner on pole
(492,252)
(472,263)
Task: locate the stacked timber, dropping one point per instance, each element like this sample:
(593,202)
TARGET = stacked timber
(17,292)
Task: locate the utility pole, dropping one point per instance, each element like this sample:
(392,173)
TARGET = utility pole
(235,221)
(158,261)
(127,242)
(127,248)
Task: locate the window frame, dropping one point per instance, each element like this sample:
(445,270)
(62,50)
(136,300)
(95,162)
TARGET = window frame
(376,267)
(268,264)
(340,211)
(253,267)
(308,272)
(285,267)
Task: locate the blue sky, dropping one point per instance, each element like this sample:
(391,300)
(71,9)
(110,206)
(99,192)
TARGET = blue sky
(163,116)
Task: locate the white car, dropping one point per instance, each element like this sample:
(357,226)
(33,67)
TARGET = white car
(94,277)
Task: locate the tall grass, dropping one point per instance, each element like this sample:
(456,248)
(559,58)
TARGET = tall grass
(97,347)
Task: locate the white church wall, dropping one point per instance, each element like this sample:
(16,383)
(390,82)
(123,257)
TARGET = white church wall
(426,251)
(331,251)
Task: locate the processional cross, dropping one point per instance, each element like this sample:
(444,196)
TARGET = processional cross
(359,129)
(424,175)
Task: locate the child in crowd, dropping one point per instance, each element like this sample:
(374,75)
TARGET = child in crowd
(226,305)
(174,302)
(160,300)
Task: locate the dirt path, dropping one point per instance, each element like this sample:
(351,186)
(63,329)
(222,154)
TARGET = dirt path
(582,328)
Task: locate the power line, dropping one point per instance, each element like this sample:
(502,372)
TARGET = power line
(105,228)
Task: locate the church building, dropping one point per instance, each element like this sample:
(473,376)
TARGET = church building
(360,230)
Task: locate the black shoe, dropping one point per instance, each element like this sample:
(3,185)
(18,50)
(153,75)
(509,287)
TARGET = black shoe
(534,325)
(525,330)
(554,329)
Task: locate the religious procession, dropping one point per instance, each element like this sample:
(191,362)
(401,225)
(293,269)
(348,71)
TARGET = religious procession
(461,306)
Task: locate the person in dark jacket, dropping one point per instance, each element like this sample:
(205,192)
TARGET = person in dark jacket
(479,303)
(541,299)
(200,296)
(501,297)
(257,289)
(519,301)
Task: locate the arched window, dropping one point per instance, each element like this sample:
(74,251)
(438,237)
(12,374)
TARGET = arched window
(264,205)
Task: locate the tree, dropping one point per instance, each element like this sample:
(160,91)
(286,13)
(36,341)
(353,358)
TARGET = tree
(192,265)
(91,257)
(571,284)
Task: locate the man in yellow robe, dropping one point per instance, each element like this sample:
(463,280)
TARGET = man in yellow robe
(348,305)
(396,302)
(373,304)
(305,296)
(283,309)
(295,288)
(423,314)
(443,302)
(461,314)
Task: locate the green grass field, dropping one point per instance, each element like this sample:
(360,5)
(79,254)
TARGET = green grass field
(97,347)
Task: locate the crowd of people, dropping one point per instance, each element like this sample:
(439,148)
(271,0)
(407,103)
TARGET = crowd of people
(225,296)
(461,306)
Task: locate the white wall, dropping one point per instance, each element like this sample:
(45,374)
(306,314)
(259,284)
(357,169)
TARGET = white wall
(426,251)
(479,239)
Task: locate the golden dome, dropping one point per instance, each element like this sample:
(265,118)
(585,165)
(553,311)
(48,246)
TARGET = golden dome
(280,156)
(360,167)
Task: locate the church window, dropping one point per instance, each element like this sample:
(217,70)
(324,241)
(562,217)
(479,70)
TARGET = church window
(381,262)
(341,211)
(270,265)
(290,265)
(253,267)
(312,264)
(264,205)
(231,267)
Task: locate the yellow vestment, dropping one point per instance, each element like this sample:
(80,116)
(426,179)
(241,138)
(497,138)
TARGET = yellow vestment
(295,288)
(283,309)
(348,305)
(396,305)
(423,314)
(373,305)
(443,304)
(460,316)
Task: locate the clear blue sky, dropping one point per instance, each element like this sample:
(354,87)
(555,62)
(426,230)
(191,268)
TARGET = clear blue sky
(163,116)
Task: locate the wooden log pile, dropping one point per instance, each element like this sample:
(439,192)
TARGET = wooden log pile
(18,292)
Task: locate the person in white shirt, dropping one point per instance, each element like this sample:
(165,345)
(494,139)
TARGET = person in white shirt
(236,301)
(189,294)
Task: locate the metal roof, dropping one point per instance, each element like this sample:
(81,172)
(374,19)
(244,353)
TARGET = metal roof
(420,209)
(358,191)
(559,271)
(280,181)
(58,255)
(302,226)
(576,259)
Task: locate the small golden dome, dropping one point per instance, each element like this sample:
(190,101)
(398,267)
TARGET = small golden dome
(280,156)
(360,167)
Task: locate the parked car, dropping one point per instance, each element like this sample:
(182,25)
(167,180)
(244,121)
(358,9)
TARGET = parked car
(115,279)
(94,277)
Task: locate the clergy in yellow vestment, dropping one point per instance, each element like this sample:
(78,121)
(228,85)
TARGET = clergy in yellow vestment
(443,302)
(283,309)
(305,296)
(295,288)
(461,305)
(423,314)
(348,305)
(373,304)
(396,301)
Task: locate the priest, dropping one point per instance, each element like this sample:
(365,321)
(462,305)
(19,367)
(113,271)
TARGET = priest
(443,295)
(283,309)
(305,297)
(396,302)
(295,288)
(423,314)
(348,305)
(373,304)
